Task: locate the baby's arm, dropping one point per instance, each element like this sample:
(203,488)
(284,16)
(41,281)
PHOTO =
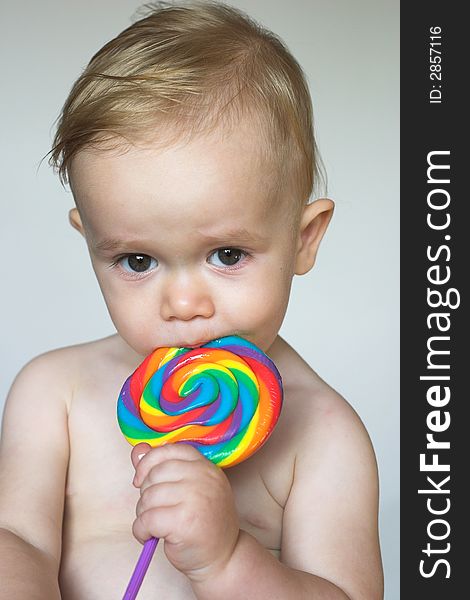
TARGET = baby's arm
(34,454)
(330,546)
(330,523)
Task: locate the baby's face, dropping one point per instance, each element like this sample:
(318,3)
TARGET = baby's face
(185,241)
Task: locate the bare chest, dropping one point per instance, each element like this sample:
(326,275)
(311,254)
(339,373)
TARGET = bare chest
(99,551)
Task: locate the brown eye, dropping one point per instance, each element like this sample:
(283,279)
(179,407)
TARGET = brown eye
(226,257)
(138,263)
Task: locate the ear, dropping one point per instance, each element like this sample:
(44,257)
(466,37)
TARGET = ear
(313,224)
(76,221)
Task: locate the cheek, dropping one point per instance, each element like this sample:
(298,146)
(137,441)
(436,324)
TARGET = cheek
(128,312)
(260,305)
(136,330)
(131,321)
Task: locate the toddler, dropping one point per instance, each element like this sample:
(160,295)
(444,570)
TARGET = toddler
(188,146)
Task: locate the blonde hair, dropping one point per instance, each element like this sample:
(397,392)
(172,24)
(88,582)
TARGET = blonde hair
(185,69)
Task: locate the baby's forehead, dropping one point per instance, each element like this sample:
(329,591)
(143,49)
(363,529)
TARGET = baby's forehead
(233,162)
(205,191)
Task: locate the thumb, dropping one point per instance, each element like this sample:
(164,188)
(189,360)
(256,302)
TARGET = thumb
(138,452)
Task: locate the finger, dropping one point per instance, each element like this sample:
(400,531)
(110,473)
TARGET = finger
(139,451)
(170,471)
(161,454)
(156,522)
(163,494)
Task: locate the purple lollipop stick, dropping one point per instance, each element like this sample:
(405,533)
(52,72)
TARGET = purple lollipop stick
(140,569)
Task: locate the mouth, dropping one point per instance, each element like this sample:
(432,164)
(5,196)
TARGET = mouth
(201,342)
(194,345)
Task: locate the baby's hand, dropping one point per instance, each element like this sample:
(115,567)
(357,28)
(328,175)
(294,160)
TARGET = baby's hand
(188,501)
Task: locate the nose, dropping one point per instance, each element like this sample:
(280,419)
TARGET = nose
(186,297)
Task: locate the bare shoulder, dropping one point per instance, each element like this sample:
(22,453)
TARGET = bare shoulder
(330,524)
(66,362)
(321,415)
(64,368)
(334,449)
(34,444)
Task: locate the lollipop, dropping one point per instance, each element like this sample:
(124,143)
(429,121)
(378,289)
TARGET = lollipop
(223,398)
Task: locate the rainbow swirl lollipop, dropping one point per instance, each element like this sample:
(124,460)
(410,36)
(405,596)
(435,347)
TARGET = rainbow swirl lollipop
(223,398)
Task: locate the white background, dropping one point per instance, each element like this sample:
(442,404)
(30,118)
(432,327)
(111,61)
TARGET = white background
(343,316)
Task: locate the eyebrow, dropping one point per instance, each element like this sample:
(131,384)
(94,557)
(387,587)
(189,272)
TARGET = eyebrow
(109,244)
(240,235)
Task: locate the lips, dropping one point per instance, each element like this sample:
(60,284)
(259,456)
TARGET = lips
(194,344)
(198,343)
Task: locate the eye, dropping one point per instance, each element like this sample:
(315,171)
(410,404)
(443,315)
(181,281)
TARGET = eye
(226,257)
(137,263)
